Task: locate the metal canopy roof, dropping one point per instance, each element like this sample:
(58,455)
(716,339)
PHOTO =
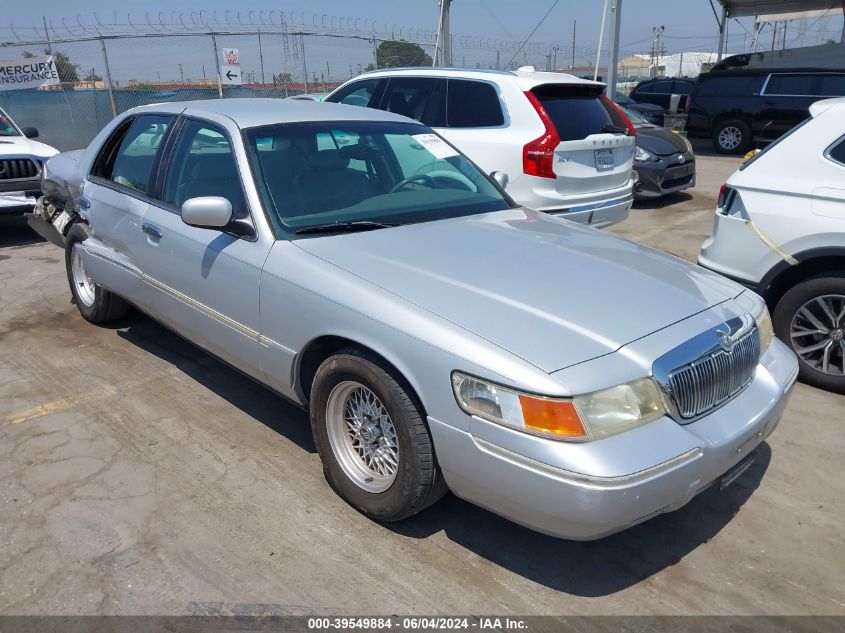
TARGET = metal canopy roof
(741,8)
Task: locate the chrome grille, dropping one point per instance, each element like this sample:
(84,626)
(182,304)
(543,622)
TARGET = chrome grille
(17,168)
(709,381)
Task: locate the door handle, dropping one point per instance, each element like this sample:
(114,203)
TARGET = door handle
(151,230)
(83,202)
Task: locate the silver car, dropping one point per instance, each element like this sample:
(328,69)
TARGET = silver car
(440,336)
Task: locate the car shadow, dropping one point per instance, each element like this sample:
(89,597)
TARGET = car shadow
(254,399)
(663,201)
(592,568)
(587,569)
(14,231)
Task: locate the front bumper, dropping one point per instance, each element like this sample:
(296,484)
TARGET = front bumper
(664,176)
(18,196)
(548,498)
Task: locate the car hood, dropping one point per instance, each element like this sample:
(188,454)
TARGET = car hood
(660,141)
(550,291)
(22,145)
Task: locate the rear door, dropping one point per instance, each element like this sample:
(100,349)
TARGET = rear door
(656,92)
(786,101)
(115,198)
(594,152)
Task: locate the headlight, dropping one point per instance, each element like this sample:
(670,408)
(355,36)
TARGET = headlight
(642,155)
(764,327)
(586,417)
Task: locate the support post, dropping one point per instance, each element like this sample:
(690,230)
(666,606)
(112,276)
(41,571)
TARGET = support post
(217,66)
(261,56)
(722,25)
(613,62)
(108,77)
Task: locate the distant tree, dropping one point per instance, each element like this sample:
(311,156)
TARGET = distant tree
(92,77)
(28,55)
(392,53)
(67,70)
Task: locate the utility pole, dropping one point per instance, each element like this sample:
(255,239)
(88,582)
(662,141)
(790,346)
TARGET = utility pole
(217,66)
(443,47)
(181,74)
(656,46)
(47,33)
(613,62)
(261,56)
(574,24)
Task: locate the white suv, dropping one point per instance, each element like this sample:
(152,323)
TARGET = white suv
(780,229)
(566,149)
(21,160)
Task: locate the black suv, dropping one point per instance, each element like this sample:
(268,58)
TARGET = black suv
(660,91)
(733,107)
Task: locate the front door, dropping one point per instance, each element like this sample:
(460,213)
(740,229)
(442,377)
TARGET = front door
(205,281)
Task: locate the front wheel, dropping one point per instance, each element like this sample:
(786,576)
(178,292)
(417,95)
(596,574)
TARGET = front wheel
(375,447)
(810,318)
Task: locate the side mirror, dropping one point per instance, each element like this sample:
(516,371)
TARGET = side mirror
(207,212)
(30,132)
(501,178)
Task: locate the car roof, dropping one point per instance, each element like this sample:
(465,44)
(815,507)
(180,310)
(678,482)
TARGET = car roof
(526,77)
(836,105)
(252,112)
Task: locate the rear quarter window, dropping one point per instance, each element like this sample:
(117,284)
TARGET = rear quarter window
(837,152)
(473,104)
(729,86)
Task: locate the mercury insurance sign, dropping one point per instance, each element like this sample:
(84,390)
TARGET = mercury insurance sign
(31,72)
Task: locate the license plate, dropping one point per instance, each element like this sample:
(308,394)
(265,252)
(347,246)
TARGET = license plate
(680,172)
(604,160)
(736,472)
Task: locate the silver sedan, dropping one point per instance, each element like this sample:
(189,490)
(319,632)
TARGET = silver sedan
(440,336)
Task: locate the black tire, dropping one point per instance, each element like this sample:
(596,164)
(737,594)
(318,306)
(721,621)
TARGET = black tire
(786,310)
(106,306)
(418,483)
(741,128)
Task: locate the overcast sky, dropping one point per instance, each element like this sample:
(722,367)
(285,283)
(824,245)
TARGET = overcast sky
(689,26)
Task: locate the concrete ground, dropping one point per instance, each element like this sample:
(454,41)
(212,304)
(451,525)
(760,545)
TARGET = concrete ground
(140,476)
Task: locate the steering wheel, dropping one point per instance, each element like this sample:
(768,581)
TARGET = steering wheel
(431,182)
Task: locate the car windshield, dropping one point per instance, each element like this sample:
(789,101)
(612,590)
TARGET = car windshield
(7,126)
(635,118)
(357,175)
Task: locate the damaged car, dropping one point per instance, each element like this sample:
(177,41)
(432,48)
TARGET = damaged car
(440,336)
(21,160)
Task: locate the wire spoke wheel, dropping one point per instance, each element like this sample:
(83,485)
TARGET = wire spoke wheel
(85,288)
(362,436)
(818,334)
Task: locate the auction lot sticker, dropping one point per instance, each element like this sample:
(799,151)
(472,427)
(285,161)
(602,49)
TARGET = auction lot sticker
(435,145)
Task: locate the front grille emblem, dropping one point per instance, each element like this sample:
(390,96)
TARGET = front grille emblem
(725,341)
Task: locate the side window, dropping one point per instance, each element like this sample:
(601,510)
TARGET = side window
(661,88)
(682,88)
(203,164)
(359,93)
(408,96)
(833,86)
(473,104)
(837,153)
(792,85)
(127,158)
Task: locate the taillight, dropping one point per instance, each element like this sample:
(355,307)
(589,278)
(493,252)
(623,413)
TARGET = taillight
(688,104)
(632,131)
(538,156)
(724,190)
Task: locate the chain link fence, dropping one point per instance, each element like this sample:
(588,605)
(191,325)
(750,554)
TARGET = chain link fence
(105,70)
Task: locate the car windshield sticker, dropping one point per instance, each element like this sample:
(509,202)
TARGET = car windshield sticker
(435,145)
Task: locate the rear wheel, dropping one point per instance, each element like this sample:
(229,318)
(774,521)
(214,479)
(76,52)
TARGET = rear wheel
(95,304)
(375,447)
(732,137)
(810,318)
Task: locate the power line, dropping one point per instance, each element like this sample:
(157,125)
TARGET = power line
(543,19)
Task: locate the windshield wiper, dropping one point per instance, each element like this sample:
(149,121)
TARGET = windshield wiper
(345,227)
(613,129)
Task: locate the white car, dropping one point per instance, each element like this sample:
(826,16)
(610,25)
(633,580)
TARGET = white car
(21,160)
(780,230)
(564,147)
